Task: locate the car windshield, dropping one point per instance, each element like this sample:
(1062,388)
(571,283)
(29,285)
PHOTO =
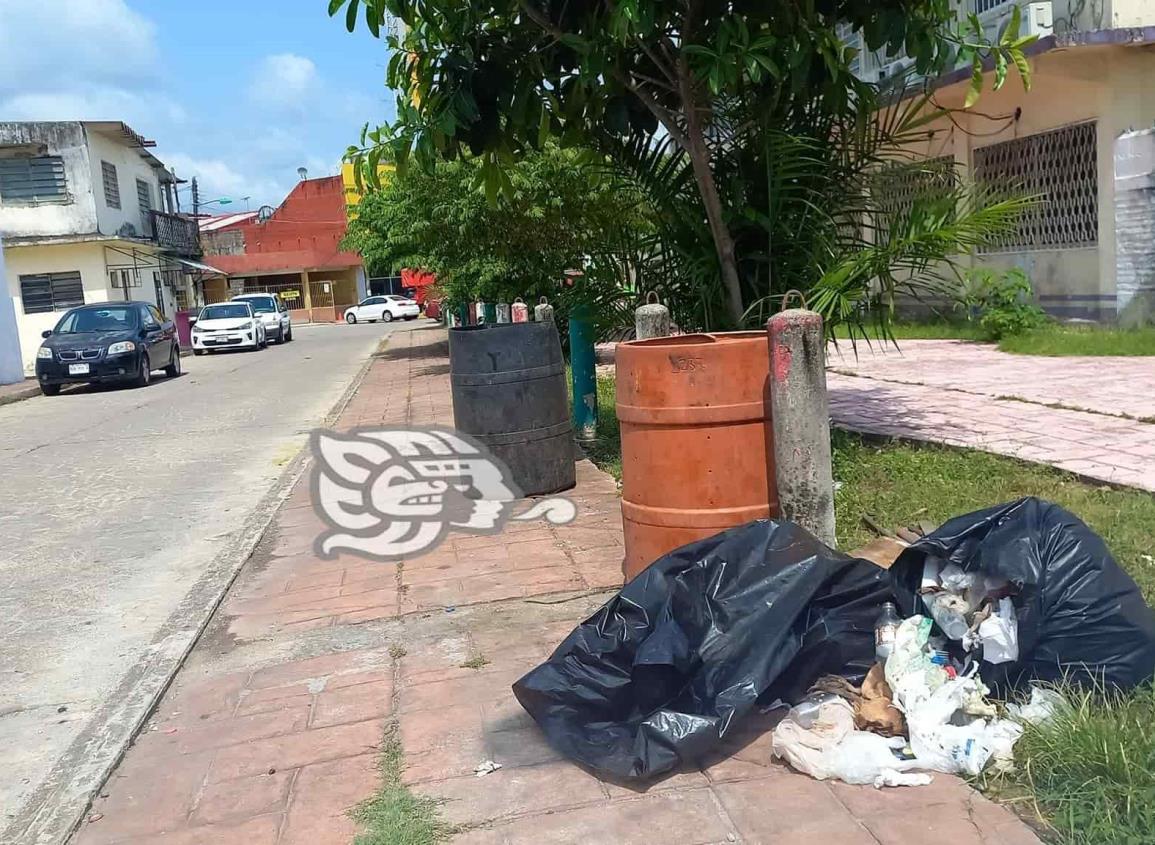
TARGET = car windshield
(399,298)
(264,305)
(111,319)
(229,311)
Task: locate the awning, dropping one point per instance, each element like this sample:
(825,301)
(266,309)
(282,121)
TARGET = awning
(204,268)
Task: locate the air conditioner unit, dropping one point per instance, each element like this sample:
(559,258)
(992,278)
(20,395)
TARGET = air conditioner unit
(1037,20)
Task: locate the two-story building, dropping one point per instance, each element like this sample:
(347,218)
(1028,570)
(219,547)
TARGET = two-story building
(89,214)
(1081,140)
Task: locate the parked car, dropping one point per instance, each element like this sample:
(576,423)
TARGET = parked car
(387,308)
(110,342)
(228,325)
(273,312)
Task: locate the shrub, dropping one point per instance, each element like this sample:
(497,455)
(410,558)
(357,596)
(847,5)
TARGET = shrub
(1001,303)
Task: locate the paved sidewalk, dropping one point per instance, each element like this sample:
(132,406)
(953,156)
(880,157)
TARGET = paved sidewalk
(273,729)
(21,390)
(956,393)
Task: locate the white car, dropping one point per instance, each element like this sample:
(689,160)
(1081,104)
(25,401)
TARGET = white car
(387,308)
(273,312)
(228,325)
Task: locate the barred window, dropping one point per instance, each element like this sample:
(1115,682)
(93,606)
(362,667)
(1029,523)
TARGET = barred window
(111,185)
(33,179)
(899,186)
(44,293)
(1059,169)
(981,6)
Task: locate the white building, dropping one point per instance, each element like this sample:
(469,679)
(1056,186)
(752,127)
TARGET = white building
(1080,140)
(89,214)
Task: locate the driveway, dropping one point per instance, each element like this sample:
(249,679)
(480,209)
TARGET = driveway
(124,514)
(1091,416)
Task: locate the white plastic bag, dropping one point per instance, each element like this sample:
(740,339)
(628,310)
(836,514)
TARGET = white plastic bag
(999,634)
(832,749)
(909,672)
(1041,708)
(946,747)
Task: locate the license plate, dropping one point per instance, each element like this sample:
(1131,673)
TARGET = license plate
(78,369)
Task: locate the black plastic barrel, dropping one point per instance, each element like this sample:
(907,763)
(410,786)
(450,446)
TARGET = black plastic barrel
(509,394)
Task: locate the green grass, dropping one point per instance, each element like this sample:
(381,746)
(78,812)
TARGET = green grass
(395,816)
(606,452)
(1089,774)
(899,484)
(1053,340)
(1082,340)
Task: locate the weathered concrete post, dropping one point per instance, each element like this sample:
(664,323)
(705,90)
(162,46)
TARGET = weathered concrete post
(651,319)
(543,312)
(801,419)
(11,358)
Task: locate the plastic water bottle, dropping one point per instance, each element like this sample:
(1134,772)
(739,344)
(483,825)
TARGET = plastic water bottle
(885,630)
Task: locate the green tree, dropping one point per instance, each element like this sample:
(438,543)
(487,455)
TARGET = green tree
(704,79)
(561,212)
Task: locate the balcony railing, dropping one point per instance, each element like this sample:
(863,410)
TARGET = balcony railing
(175,233)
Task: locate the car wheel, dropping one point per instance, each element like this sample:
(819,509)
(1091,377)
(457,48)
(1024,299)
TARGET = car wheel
(173,368)
(280,335)
(50,389)
(199,351)
(144,375)
(288,334)
(387,316)
(351,318)
(264,344)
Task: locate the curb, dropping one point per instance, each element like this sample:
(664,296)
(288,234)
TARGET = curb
(20,395)
(59,804)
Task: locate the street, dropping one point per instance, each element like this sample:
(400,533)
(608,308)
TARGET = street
(124,514)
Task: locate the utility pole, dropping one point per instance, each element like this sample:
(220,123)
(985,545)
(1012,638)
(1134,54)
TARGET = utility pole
(196,198)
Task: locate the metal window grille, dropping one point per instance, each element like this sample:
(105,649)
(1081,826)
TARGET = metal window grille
(111,186)
(44,293)
(1059,169)
(124,278)
(898,187)
(33,179)
(981,6)
(144,200)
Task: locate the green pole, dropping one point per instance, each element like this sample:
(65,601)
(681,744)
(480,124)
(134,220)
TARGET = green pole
(585,388)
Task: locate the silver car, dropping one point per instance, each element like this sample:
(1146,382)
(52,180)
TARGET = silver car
(273,312)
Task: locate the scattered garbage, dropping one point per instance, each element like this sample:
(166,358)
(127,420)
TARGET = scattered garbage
(1043,705)
(1074,614)
(665,670)
(486,767)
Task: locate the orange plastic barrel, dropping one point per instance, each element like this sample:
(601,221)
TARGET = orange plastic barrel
(697,451)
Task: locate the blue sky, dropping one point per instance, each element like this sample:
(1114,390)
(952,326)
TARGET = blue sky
(239,93)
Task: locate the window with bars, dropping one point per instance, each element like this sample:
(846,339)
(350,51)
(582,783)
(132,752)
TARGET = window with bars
(898,187)
(981,6)
(144,200)
(33,179)
(111,185)
(44,293)
(1059,169)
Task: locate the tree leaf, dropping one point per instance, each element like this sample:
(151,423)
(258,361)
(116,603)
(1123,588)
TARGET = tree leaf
(1000,68)
(976,87)
(1012,31)
(335,6)
(351,15)
(1024,67)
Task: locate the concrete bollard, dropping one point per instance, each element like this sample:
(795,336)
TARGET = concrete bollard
(801,419)
(519,311)
(543,312)
(503,312)
(651,319)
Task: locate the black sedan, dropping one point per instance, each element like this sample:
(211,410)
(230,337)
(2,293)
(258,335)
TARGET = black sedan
(110,342)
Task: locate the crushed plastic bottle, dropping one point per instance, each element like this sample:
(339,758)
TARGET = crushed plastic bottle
(885,630)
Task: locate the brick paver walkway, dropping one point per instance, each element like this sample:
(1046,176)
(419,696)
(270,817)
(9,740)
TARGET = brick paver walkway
(960,393)
(272,730)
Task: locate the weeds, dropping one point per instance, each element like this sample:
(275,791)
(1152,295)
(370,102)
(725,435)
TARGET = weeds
(395,816)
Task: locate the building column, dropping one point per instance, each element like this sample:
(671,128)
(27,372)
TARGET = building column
(308,297)
(11,362)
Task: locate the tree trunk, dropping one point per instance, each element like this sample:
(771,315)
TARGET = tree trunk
(699,153)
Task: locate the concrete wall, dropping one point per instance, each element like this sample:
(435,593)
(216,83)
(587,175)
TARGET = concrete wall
(77,215)
(129,167)
(1121,14)
(88,259)
(1135,227)
(1110,85)
(11,363)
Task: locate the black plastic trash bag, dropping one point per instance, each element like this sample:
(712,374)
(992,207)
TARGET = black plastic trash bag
(665,669)
(1080,616)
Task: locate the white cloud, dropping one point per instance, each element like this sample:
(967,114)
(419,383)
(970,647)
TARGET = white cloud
(285,80)
(217,178)
(43,46)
